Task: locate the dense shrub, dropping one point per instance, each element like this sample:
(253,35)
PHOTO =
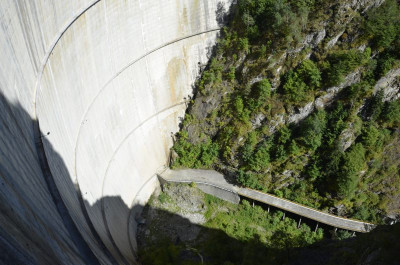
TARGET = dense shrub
(391,113)
(299,83)
(261,157)
(248,147)
(371,137)
(260,92)
(294,87)
(312,129)
(281,19)
(383,24)
(336,123)
(249,179)
(310,74)
(349,175)
(384,64)
(341,63)
(201,155)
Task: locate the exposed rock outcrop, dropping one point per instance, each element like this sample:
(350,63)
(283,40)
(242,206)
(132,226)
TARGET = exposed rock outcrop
(390,84)
(331,92)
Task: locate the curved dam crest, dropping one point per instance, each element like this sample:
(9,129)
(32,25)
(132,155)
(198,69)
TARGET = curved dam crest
(108,80)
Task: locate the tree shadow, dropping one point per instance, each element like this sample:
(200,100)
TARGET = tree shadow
(180,241)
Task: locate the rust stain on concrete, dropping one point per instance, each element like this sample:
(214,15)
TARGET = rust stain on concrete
(175,73)
(195,20)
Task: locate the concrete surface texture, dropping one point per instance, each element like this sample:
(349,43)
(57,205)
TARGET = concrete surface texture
(215,179)
(107,81)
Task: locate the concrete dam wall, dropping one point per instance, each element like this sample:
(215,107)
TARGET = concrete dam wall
(91,93)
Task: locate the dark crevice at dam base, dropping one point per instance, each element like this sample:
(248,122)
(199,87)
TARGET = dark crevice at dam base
(292,103)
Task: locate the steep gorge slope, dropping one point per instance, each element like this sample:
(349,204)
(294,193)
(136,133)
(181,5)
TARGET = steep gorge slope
(301,99)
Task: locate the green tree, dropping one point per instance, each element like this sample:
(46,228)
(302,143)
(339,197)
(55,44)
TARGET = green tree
(284,135)
(336,123)
(341,63)
(280,152)
(209,153)
(294,87)
(313,172)
(259,94)
(376,106)
(274,18)
(248,147)
(248,179)
(310,74)
(187,152)
(238,105)
(312,129)
(244,44)
(391,113)
(383,24)
(232,73)
(201,155)
(260,159)
(353,163)
(371,137)
(294,149)
(359,90)
(298,84)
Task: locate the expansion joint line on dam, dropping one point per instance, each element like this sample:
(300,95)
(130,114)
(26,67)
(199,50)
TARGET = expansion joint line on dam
(155,115)
(217,180)
(112,158)
(44,164)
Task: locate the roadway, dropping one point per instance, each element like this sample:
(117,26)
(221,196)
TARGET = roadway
(217,180)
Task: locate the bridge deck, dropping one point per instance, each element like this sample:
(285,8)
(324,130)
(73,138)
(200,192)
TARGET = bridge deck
(217,180)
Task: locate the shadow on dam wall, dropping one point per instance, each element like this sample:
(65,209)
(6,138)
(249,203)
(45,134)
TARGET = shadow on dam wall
(26,243)
(28,236)
(48,235)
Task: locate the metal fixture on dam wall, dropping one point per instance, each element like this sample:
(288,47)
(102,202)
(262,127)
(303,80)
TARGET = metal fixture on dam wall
(90,92)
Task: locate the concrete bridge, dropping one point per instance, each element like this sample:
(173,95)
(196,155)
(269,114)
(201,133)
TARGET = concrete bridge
(215,184)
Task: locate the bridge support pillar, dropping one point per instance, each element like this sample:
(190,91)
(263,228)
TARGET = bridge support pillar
(298,226)
(316,227)
(283,217)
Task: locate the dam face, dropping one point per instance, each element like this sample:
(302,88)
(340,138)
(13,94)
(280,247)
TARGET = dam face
(91,95)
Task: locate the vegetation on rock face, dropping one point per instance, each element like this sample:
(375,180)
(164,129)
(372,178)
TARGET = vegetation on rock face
(375,248)
(244,233)
(299,84)
(248,234)
(254,113)
(382,26)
